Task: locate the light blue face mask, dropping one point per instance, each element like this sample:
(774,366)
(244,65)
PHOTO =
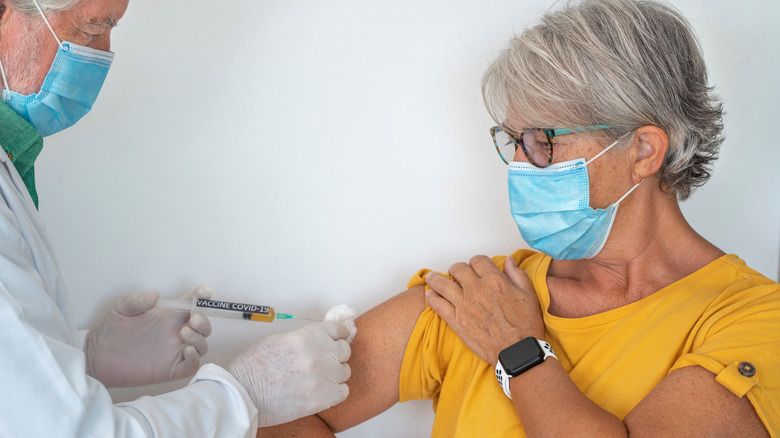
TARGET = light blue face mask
(68,91)
(551,207)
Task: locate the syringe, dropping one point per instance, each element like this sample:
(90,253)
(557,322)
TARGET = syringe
(225,309)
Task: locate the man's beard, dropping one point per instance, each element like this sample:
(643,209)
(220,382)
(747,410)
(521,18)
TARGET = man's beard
(21,61)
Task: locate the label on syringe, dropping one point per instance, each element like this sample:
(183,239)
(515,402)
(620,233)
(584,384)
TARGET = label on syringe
(263,312)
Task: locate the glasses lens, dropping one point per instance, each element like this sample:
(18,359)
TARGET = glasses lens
(537,147)
(504,144)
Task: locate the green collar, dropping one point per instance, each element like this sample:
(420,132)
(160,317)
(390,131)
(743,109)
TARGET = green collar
(22,143)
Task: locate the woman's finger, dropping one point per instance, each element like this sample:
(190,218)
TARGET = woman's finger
(463,274)
(444,287)
(517,275)
(441,306)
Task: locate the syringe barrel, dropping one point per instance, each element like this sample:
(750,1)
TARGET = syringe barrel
(175,304)
(228,309)
(222,309)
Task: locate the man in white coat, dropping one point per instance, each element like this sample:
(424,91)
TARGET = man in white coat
(54,56)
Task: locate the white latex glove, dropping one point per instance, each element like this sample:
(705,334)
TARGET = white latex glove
(137,343)
(296,374)
(346,314)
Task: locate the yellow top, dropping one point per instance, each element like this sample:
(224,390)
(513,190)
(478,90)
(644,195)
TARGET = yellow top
(718,317)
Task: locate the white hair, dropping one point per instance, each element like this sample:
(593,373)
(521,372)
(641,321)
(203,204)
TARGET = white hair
(19,66)
(28,6)
(621,63)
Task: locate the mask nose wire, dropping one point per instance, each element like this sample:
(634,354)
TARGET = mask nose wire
(47,23)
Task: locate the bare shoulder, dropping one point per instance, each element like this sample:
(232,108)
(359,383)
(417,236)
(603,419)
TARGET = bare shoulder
(377,354)
(689,402)
(393,319)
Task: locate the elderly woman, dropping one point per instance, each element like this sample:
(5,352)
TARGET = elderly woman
(625,321)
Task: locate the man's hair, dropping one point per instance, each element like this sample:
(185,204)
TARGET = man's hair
(28,6)
(621,63)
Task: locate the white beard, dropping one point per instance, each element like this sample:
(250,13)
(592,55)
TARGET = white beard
(21,58)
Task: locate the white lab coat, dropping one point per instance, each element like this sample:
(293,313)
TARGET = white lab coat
(44,391)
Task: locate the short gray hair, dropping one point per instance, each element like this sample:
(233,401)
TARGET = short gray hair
(621,63)
(28,6)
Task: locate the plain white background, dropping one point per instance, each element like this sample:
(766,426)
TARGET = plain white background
(307,154)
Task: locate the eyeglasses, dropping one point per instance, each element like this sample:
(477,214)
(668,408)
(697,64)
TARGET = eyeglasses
(537,143)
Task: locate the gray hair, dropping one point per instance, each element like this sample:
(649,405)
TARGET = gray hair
(621,63)
(28,6)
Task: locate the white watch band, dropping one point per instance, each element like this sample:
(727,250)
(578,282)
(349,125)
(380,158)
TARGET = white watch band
(548,351)
(503,377)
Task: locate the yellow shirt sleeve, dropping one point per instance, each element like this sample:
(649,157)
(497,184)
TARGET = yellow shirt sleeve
(739,340)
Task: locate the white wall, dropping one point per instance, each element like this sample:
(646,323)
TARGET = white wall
(307,154)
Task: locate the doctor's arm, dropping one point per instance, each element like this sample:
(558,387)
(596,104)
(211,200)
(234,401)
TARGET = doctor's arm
(377,355)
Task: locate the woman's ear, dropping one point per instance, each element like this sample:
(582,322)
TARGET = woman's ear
(651,143)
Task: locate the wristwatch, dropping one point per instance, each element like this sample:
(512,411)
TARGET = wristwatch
(519,358)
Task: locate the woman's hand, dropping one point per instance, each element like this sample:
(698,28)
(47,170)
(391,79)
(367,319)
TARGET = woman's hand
(488,309)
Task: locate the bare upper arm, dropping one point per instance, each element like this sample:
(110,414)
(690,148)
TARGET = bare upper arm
(689,402)
(377,354)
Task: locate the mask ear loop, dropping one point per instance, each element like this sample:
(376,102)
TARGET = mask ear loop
(605,149)
(602,152)
(5,81)
(628,192)
(45,20)
(47,23)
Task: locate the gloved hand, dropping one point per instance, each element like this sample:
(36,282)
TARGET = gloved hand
(296,374)
(137,343)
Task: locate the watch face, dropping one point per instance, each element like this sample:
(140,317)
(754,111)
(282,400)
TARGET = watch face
(521,356)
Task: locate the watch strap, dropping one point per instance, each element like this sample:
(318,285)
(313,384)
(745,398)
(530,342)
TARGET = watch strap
(503,377)
(547,348)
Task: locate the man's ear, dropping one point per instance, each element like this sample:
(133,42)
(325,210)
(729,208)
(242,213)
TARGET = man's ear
(5,9)
(651,143)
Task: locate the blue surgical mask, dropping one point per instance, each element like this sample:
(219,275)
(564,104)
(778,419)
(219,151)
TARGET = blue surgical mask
(68,91)
(551,207)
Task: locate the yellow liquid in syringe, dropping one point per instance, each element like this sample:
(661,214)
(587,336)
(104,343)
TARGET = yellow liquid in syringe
(250,312)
